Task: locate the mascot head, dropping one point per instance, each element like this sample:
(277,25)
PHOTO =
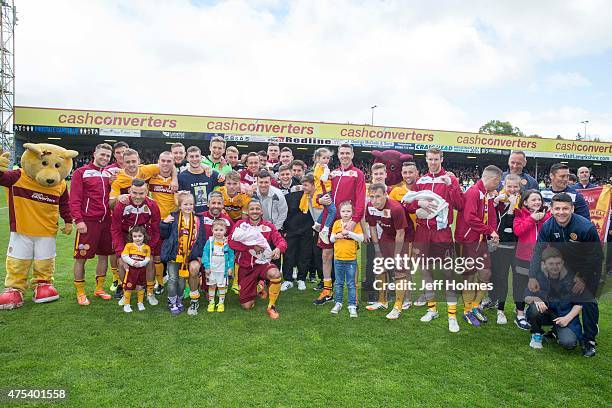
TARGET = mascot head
(46,163)
(393,160)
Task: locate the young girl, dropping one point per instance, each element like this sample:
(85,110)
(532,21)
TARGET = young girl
(346,244)
(218,262)
(322,187)
(528,221)
(136,255)
(503,258)
(183,234)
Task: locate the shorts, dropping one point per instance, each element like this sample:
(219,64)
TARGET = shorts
(134,277)
(95,241)
(429,243)
(474,250)
(29,247)
(217,278)
(248,278)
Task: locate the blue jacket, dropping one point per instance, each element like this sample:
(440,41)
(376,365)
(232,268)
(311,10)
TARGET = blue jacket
(169,233)
(579,244)
(580,205)
(579,186)
(531,183)
(227,252)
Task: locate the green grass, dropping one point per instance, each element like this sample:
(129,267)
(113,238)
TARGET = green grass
(106,358)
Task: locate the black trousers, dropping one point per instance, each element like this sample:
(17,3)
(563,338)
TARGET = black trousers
(299,253)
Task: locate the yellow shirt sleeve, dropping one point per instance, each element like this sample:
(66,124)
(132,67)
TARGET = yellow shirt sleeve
(146,171)
(337,227)
(122,181)
(127,249)
(397,193)
(357,229)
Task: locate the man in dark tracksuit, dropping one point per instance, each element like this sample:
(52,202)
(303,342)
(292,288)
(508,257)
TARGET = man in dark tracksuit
(297,231)
(577,240)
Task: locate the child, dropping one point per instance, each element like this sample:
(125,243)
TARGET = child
(502,259)
(528,221)
(218,262)
(555,304)
(346,244)
(322,187)
(183,234)
(136,255)
(250,235)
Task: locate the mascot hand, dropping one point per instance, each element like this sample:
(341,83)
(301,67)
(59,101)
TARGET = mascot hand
(67,229)
(5,160)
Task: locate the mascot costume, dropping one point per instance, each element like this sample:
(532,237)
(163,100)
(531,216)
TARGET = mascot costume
(393,160)
(37,196)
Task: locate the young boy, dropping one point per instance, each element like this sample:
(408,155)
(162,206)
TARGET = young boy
(218,262)
(554,304)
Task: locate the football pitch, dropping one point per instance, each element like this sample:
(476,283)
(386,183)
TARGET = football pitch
(104,357)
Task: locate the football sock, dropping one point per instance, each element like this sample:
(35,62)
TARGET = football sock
(150,286)
(140,295)
(431,305)
(222,295)
(115,274)
(127,296)
(274,290)
(159,272)
(399,293)
(80,287)
(327,285)
(211,294)
(194,295)
(100,283)
(452,310)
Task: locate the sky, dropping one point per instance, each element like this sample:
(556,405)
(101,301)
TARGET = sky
(545,66)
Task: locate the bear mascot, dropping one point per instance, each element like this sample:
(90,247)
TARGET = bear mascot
(37,196)
(393,160)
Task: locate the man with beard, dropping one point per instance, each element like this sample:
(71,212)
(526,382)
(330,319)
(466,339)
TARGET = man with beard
(89,191)
(138,210)
(250,272)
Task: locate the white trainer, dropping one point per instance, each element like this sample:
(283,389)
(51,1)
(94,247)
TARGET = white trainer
(324,235)
(152,301)
(140,307)
(352,311)
(286,285)
(127,308)
(336,309)
(377,306)
(301,285)
(406,305)
(121,301)
(429,316)
(453,326)
(394,314)
(501,317)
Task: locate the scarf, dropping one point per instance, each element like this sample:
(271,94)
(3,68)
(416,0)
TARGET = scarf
(186,239)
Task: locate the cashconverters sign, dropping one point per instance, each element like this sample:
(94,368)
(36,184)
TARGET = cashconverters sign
(361,134)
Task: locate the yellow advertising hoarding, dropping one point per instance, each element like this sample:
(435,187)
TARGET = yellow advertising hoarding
(319,130)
